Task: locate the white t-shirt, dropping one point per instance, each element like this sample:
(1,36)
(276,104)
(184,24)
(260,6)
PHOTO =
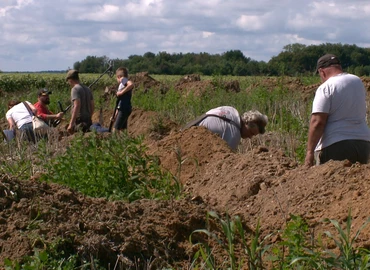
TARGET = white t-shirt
(343,97)
(122,84)
(20,114)
(229,132)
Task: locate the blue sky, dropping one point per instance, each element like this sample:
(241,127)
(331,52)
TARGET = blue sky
(39,35)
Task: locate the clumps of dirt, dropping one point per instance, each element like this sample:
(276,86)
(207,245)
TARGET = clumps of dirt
(193,84)
(147,83)
(185,154)
(141,231)
(188,78)
(152,125)
(326,191)
(295,85)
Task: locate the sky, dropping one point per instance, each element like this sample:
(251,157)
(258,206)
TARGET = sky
(40,35)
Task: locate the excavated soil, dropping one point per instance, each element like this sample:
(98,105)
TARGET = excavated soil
(260,184)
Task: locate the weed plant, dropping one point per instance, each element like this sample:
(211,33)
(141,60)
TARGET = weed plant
(114,167)
(233,234)
(297,247)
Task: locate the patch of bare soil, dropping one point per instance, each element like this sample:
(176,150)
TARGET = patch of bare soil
(193,84)
(261,184)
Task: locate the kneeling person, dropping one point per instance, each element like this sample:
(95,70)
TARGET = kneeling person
(231,126)
(41,106)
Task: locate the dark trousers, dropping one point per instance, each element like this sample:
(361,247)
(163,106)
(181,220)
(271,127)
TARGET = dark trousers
(83,124)
(121,121)
(27,133)
(353,150)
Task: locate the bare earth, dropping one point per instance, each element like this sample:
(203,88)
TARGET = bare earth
(261,184)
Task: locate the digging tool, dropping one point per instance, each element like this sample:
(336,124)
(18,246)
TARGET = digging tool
(108,71)
(112,120)
(57,122)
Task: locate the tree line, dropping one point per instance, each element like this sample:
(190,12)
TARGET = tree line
(295,59)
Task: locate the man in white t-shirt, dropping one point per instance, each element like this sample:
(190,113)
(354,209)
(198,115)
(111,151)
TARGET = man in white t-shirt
(338,128)
(231,126)
(20,118)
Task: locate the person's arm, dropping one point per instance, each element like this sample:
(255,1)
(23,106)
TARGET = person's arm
(12,125)
(45,114)
(315,132)
(54,116)
(75,112)
(127,88)
(33,108)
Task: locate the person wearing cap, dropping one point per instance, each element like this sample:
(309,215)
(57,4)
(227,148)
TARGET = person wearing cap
(41,106)
(82,104)
(338,129)
(230,125)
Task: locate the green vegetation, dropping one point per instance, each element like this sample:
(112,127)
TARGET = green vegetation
(116,168)
(295,60)
(297,248)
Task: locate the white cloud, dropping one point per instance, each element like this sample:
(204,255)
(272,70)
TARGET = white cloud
(113,36)
(103,13)
(52,35)
(250,22)
(206,34)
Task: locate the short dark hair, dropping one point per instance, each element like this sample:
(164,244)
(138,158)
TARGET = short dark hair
(122,72)
(12,103)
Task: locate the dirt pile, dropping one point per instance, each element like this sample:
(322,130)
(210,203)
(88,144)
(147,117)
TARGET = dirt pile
(94,227)
(193,84)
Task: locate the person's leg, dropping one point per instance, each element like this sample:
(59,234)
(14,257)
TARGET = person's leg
(27,132)
(121,121)
(83,125)
(353,150)
(363,151)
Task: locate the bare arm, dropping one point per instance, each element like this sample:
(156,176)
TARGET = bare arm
(315,132)
(33,108)
(128,87)
(11,123)
(75,112)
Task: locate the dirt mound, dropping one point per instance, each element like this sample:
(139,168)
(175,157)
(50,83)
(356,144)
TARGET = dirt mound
(144,81)
(193,84)
(152,125)
(295,85)
(94,227)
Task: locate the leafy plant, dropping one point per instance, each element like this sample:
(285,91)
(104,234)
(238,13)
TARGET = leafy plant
(349,256)
(233,235)
(115,168)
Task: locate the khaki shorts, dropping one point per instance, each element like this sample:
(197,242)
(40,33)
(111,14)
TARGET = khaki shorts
(353,150)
